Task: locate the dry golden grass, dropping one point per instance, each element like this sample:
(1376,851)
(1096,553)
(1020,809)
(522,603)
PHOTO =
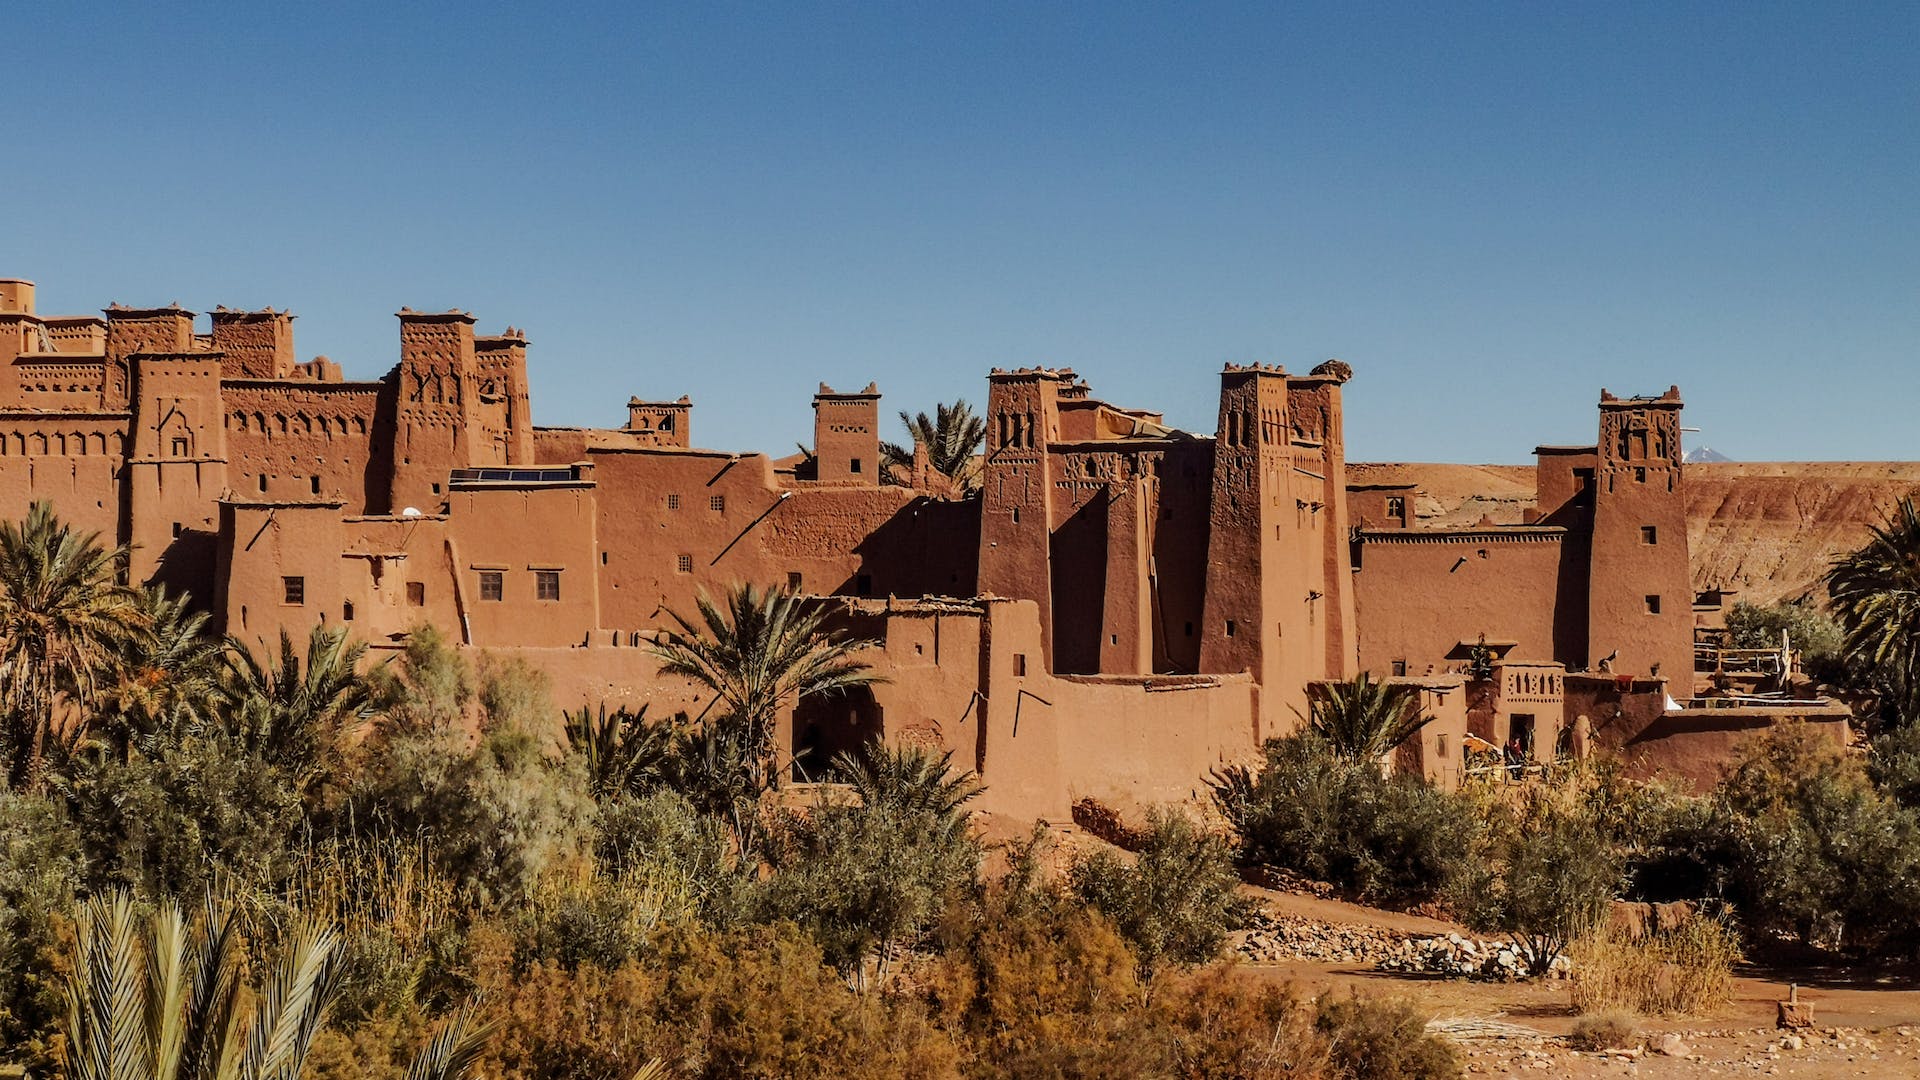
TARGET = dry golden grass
(1685,971)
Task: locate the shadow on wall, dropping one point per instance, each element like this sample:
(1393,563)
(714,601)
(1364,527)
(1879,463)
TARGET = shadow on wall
(930,547)
(828,725)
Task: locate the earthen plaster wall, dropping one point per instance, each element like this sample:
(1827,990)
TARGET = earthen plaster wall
(1423,592)
(299,440)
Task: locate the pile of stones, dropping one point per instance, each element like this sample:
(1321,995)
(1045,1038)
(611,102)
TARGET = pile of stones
(1466,958)
(1273,938)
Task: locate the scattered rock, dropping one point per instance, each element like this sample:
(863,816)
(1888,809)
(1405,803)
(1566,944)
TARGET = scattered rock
(1670,1045)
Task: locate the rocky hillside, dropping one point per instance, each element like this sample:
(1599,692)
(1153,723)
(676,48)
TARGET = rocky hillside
(1766,529)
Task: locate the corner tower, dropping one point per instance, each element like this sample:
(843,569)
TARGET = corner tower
(1016,510)
(1247,621)
(434,412)
(1640,593)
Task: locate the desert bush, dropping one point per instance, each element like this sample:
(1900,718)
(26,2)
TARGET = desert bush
(1221,1024)
(399,921)
(1177,899)
(1614,1029)
(1035,987)
(40,854)
(429,687)
(1685,971)
(661,833)
(1551,875)
(1380,1039)
(756,1002)
(1389,838)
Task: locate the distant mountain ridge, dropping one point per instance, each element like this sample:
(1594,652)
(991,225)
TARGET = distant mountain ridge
(1704,455)
(1766,529)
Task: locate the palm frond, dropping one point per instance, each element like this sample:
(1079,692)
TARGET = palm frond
(455,1049)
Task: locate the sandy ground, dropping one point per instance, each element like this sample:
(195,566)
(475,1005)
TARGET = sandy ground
(1862,1029)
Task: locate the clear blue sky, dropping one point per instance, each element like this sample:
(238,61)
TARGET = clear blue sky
(1490,210)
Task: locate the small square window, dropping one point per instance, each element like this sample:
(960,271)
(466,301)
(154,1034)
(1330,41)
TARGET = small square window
(176,528)
(673,502)
(436,489)
(1019,663)
(493,585)
(1399,667)
(1653,605)
(793,581)
(684,564)
(1640,476)
(179,448)
(716,502)
(416,594)
(1649,535)
(1397,508)
(546,584)
(293,590)
(855,467)
(346,611)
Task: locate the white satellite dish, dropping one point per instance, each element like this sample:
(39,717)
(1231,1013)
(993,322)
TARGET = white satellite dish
(411,511)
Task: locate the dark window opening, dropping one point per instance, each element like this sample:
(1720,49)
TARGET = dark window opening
(493,585)
(546,584)
(1649,535)
(263,482)
(436,489)
(1397,508)
(1229,627)
(855,467)
(1653,605)
(1113,639)
(793,580)
(1016,515)
(673,502)
(684,564)
(314,482)
(416,594)
(716,502)
(346,611)
(1399,667)
(179,448)
(1019,663)
(603,558)
(176,528)
(1640,476)
(1520,738)
(293,590)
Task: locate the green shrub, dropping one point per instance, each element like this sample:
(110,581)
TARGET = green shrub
(1390,838)
(40,859)
(201,806)
(1177,899)
(1551,875)
(1818,638)
(495,816)
(1812,847)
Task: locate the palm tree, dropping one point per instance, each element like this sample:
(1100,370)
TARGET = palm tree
(761,654)
(63,611)
(1364,720)
(1875,594)
(624,753)
(953,437)
(165,672)
(157,999)
(909,779)
(292,714)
